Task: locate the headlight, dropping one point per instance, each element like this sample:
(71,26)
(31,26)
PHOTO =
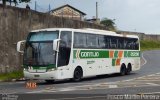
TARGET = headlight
(50,69)
(25,69)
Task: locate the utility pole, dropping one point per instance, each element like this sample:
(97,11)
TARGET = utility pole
(49,8)
(96,10)
(35,5)
(10,2)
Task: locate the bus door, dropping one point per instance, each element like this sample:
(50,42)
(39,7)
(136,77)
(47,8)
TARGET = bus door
(64,48)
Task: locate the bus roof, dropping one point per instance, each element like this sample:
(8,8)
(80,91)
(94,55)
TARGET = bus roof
(88,30)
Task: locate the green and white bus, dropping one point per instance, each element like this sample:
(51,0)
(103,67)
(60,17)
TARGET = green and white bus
(65,53)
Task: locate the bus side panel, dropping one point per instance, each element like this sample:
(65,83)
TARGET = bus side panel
(135,62)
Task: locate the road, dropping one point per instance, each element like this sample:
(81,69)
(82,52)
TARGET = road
(146,80)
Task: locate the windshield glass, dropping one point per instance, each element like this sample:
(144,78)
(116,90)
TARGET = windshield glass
(39,49)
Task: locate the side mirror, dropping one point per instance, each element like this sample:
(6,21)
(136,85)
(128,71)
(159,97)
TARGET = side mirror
(56,44)
(19,46)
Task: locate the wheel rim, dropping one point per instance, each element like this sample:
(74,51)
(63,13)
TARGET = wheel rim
(78,74)
(123,71)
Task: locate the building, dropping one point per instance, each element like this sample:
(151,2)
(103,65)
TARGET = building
(93,20)
(68,11)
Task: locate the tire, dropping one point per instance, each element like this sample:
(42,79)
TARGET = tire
(123,70)
(78,74)
(129,69)
(49,81)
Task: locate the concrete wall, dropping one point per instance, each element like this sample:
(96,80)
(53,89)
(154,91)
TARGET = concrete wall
(142,36)
(151,37)
(15,23)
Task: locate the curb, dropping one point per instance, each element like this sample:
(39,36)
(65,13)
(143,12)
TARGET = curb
(21,79)
(13,80)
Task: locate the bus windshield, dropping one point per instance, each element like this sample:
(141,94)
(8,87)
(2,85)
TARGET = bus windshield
(39,49)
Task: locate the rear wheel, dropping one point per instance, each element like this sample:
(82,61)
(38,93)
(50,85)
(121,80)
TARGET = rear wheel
(78,74)
(129,69)
(123,70)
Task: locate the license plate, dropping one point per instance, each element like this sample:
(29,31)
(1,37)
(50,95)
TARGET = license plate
(36,75)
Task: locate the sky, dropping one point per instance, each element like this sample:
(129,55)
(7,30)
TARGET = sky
(130,15)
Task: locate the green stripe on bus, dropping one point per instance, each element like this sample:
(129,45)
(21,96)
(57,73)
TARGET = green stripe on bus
(91,54)
(133,54)
(82,54)
(115,54)
(74,54)
(113,62)
(125,53)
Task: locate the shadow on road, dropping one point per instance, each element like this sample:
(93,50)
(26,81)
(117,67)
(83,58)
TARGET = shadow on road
(88,79)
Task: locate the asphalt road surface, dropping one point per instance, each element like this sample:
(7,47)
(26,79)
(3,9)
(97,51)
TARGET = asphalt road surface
(144,81)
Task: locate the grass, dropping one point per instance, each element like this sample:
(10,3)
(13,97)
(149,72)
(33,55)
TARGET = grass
(11,75)
(149,45)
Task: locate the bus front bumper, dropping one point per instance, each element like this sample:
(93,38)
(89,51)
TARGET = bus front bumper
(41,76)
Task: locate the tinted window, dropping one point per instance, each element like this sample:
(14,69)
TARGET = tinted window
(131,43)
(43,36)
(113,42)
(64,48)
(120,43)
(92,41)
(66,39)
(102,43)
(80,40)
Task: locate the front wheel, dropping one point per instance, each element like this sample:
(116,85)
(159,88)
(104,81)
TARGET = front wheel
(78,74)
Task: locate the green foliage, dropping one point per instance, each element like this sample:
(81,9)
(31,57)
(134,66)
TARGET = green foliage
(12,75)
(109,23)
(149,45)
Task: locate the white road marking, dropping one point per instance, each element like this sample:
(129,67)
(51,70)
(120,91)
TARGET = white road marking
(66,89)
(129,80)
(145,61)
(40,91)
(113,86)
(150,93)
(153,84)
(80,98)
(147,80)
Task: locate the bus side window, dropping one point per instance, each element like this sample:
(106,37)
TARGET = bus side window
(125,43)
(92,41)
(120,43)
(136,44)
(107,42)
(113,42)
(80,40)
(101,42)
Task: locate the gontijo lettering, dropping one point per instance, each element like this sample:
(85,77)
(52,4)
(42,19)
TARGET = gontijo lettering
(89,54)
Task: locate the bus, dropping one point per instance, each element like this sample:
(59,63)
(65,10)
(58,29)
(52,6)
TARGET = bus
(66,53)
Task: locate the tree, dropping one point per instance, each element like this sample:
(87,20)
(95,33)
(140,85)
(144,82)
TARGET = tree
(14,1)
(109,23)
